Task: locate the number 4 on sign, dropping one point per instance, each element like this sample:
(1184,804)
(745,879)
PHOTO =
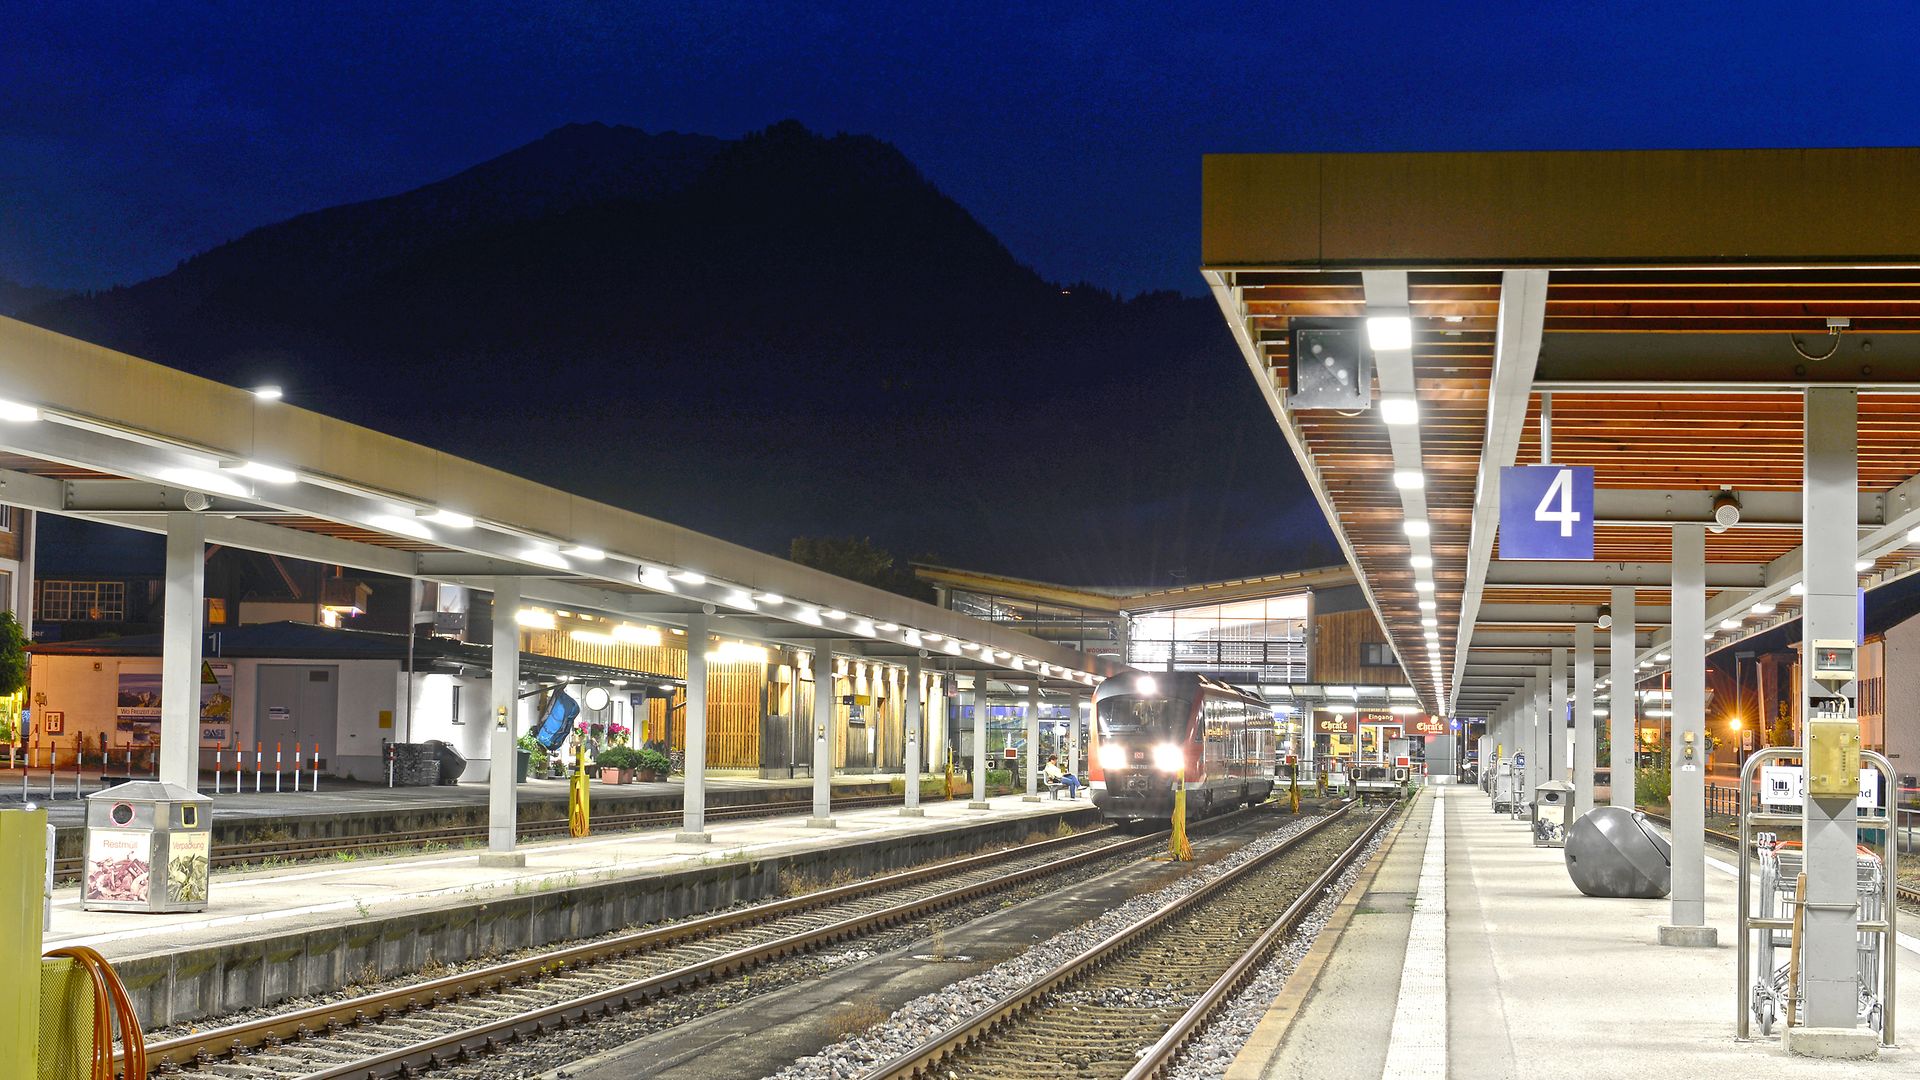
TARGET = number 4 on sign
(1562,490)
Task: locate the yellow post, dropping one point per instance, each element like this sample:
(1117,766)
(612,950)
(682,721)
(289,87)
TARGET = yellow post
(1293,787)
(23,870)
(950,775)
(577,802)
(1177,846)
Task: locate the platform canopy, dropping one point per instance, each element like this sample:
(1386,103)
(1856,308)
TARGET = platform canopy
(91,433)
(1667,310)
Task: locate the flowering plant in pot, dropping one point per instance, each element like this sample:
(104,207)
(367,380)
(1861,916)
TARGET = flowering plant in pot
(617,764)
(618,734)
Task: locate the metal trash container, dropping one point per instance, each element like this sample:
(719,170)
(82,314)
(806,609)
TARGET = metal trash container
(1614,851)
(452,762)
(149,847)
(1552,813)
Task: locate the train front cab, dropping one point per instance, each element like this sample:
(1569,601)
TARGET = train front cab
(1148,727)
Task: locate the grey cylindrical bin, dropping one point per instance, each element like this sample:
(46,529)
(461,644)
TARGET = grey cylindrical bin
(1552,813)
(1614,851)
(149,847)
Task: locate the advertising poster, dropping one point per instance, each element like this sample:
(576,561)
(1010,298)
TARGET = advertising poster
(137,704)
(119,865)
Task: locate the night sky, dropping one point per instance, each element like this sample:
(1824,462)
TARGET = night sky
(133,134)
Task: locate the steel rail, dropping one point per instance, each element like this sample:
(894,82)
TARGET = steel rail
(1159,1057)
(273,1031)
(928,1057)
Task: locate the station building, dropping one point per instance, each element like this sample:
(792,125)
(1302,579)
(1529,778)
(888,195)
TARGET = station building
(1305,640)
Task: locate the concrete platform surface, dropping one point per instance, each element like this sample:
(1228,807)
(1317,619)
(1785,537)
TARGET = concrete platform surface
(1539,979)
(309,895)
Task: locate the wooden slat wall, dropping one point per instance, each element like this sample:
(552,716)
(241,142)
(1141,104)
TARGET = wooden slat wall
(733,693)
(1336,650)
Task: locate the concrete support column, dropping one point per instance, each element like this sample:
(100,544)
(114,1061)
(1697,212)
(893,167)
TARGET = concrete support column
(1620,679)
(1689,746)
(1033,741)
(1583,746)
(693,798)
(180,649)
(916,694)
(1557,718)
(937,723)
(979,744)
(1829,613)
(1540,757)
(503,810)
(1073,736)
(822,736)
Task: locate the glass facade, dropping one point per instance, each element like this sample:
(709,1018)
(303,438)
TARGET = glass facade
(1245,641)
(1077,628)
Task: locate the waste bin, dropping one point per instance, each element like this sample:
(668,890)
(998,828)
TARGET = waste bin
(149,846)
(1552,813)
(452,762)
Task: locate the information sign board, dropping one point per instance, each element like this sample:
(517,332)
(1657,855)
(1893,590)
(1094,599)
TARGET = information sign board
(1786,785)
(1546,512)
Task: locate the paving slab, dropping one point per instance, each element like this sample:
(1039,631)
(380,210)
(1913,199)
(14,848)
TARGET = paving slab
(1540,980)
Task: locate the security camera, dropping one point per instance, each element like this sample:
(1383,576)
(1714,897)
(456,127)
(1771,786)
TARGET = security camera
(197,501)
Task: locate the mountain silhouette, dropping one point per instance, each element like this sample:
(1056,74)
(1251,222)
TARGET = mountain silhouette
(16,298)
(783,334)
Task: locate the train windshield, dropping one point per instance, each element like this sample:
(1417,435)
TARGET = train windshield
(1127,714)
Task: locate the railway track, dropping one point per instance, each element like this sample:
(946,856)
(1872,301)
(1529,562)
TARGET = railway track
(407,1029)
(1906,893)
(251,853)
(1161,978)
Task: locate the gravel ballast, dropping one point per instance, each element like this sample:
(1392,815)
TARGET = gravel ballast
(927,1016)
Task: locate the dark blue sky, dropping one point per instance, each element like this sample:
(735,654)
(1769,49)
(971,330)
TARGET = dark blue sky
(133,135)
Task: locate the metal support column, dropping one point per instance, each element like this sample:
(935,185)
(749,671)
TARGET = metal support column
(1073,735)
(937,699)
(916,694)
(1583,719)
(1540,757)
(979,743)
(1829,613)
(186,590)
(1557,718)
(1033,741)
(823,702)
(503,810)
(693,798)
(1620,683)
(1688,750)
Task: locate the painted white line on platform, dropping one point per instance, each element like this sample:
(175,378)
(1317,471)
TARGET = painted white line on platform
(1417,1049)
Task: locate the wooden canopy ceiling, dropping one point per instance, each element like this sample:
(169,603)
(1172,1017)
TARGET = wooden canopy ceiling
(1669,372)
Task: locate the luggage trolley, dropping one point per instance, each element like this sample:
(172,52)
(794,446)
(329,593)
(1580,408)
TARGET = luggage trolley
(1764,996)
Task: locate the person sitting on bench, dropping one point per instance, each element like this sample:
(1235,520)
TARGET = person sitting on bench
(1057,777)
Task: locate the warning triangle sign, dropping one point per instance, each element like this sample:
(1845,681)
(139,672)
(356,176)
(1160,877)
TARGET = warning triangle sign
(206,675)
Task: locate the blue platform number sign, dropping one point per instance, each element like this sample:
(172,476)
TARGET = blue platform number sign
(1546,512)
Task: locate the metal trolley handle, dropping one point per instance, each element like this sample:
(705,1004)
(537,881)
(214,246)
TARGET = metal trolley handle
(1884,928)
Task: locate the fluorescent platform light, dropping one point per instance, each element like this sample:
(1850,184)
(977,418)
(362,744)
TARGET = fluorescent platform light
(268,393)
(258,470)
(1798,588)
(1663,657)
(1417,528)
(741,599)
(543,556)
(656,579)
(534,619)
(15,413)
(1429,621)
(1399,410)
(834,613)
(888,627)
(770,598)
(1409,479)
(1729,624)
(452,519)
(584,552)
(1423,586)
(1863,566)
(394,523)
(689,577)
(1389,332)
(1762,608)
(1421,562)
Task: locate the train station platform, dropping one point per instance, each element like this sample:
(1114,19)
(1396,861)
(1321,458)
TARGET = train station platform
(1469,953)
(314,927)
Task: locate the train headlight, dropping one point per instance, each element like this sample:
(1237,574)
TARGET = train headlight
(1168,757)
(1113,756)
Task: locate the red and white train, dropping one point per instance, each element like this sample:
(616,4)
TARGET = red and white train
(1150,730)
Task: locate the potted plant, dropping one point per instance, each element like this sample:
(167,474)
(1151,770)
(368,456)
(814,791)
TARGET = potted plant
(653,764)
(617,763)
(524,750)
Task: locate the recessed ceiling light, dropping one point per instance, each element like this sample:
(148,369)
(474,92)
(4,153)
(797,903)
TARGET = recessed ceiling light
(1416,528)
(1399,410)
(258,470)
(1762,608)
(1729,624)
(1409,479)
(689,577)
(1421,562)
(1389,332)
(584,551)
(1423,586)
(1428,605)
(449,518)
(16,413)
